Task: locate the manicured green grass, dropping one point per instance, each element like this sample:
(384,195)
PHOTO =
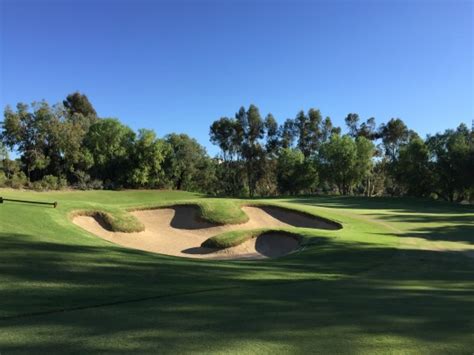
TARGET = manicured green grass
(383,284)
(234,238)
(218,211)
(115,221)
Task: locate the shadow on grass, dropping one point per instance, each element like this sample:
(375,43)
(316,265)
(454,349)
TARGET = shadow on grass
(334,296)
(436,227)
(400,204)
(425,218)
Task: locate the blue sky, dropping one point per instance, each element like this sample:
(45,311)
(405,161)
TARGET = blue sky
(177,66)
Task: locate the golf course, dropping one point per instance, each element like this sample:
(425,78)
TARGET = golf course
(378,275)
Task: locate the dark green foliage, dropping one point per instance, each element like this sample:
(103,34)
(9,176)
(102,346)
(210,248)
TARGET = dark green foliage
(295,174)
(287,133)
(240,139)
(78,104)
(29,132)
(365,129)
(223,133)
(346,162)
(271,126)
(229,178)
(413,168)
(187,165)
(147,157)
(109,143)
(452,157)
(352,121)
(394,134)
(310,131)
(68,144)
(3,153)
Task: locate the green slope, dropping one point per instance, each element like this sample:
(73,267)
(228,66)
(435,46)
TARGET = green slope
(386,282)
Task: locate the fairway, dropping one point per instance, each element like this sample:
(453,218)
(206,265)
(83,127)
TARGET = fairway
(398,277)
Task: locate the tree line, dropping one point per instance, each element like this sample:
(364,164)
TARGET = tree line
(67,144)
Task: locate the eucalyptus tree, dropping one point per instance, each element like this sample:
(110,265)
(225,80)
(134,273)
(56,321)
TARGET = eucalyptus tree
(273,140)
(27,131)
(394,135)
(287,133)
(310,131)
(241,138)
(365,129)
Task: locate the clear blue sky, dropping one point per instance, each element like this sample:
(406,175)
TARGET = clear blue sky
(177,66)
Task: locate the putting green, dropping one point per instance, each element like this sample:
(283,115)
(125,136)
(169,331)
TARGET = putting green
(395,279)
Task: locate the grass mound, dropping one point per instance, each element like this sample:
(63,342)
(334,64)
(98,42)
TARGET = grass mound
(234,238)
(114,222)
(213,210)
(221,211)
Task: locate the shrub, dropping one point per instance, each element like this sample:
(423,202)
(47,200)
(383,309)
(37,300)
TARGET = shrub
(18,180)
(49,182)
(62,183)
(3,179)
(36,185)
(96,184)
(84,182)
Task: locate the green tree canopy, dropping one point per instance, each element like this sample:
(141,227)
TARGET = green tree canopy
(413,168)
(295,174)
(345,161)
(187,165)
(147,156)
(110,144)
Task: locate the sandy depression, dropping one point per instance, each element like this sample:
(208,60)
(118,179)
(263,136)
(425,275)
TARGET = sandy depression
(178,231)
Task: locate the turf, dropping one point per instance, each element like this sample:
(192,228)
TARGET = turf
(374,286)
(234,238)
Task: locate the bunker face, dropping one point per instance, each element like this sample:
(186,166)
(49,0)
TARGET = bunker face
(178,231)
(299,219)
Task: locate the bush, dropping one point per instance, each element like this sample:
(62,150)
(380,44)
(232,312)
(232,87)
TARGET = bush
(3,179)
(62,183)
(18,180)
(49,182)
(96,184)
(84,182)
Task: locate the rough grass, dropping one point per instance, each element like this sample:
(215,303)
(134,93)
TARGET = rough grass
(383,284)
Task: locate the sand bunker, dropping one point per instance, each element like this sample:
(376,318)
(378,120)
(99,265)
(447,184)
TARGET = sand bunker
(179,231)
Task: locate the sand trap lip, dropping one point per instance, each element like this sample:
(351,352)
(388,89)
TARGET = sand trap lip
(179,231)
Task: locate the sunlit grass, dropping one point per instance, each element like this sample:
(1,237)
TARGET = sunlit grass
(364,288)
